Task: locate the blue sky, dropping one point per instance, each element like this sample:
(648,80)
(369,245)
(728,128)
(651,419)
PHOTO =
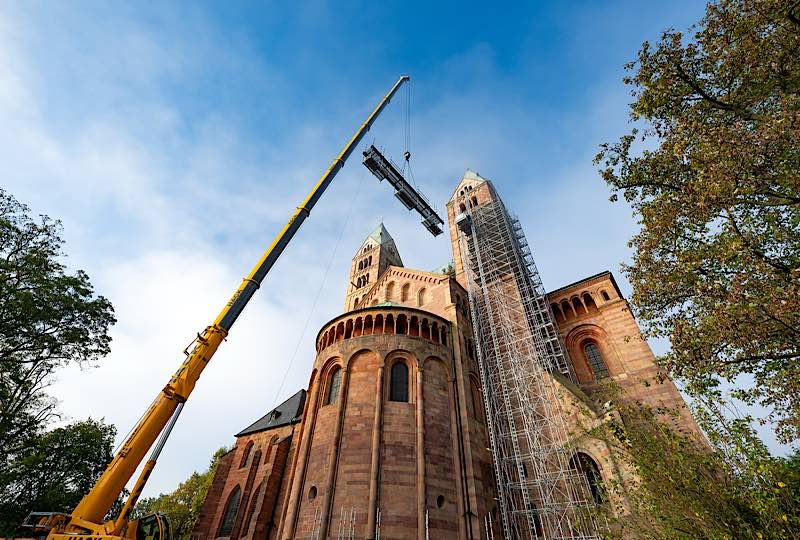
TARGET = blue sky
(174,140)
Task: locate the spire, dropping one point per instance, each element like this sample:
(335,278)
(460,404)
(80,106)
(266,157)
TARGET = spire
(381,235)
(376,254)
(470,180)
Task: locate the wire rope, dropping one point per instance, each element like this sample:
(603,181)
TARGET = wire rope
(319,290)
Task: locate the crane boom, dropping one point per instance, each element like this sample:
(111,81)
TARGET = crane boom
(89,514)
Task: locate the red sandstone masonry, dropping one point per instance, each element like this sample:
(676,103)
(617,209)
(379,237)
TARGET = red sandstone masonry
(202,529)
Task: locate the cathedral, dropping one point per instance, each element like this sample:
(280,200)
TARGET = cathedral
(392,439)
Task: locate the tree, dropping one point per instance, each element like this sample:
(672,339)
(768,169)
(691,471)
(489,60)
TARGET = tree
(53,471)
(48,318)
(686,490)
(182,506)
(714,179)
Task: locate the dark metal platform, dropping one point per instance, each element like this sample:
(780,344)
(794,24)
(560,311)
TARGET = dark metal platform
(384,169)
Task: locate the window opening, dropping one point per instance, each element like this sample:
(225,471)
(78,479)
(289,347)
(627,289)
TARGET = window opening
(248,451)
(587,466)
(231,509)
(398,390)
(336,382)
(595,360)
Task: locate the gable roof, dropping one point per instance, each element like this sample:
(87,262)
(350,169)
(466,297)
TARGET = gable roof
(469,176)
(605,273)
(374,287)
(288,412)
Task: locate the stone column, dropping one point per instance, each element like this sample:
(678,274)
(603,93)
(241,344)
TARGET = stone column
(333,458)
(421,504)
(300,472)
(374,470)
(455,429)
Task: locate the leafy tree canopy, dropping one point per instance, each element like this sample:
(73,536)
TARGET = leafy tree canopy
(53,471)
(714,178)
(48,318)
(685,490)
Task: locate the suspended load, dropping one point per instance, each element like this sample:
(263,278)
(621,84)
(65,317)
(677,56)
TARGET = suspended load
(384,169)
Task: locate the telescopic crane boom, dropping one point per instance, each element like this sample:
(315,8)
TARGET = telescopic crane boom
(88,516)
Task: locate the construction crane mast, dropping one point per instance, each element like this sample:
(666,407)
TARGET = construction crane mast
(87,519)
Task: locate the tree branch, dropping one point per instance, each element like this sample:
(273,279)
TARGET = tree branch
(747,115)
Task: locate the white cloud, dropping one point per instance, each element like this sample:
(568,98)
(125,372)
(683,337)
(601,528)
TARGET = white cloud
(167,203)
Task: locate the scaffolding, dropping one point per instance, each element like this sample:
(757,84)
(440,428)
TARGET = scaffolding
(541,493)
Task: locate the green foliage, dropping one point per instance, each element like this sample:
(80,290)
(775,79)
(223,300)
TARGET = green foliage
(53,471)
(713,178)
(683,489)
(182,506)
(48,318)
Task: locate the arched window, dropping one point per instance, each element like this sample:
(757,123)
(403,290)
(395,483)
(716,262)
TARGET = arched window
(252,518)
(462,208)
(404,292)
(248,451)
(421,297)
(578,307)
(229,515)
(585,465)
(474,201)
(589,302)
(355,304)
(390,290)
(595,360)
(605,296)
(398,387)
(477,403)
(333,387)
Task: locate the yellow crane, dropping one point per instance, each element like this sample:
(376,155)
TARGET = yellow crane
(87,521)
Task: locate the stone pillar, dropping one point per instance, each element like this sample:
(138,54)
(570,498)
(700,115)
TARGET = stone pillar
(300,472)
(330,480)
(374,470)
(455,429)
(421,503)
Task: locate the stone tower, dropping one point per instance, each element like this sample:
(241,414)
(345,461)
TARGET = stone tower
(376,254)
(394,422)
(391,433)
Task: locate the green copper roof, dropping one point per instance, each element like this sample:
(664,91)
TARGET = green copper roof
(381,235)
(388,304)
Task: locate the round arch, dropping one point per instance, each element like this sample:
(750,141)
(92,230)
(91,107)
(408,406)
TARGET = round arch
(411,362)
(575,342)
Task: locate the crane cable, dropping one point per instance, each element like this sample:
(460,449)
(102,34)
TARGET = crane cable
(407,142)
(319,291)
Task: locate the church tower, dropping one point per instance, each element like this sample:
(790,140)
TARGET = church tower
(392,437)
(472,191)
(375,255)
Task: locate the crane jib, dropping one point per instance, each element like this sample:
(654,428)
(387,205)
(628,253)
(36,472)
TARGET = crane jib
(88,515)
(252,283)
